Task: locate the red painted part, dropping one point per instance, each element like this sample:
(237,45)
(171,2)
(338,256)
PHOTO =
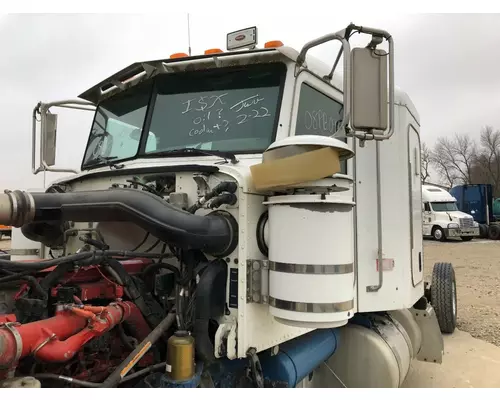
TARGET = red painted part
(7,318)
(57,339)
(90,272)
(96,290)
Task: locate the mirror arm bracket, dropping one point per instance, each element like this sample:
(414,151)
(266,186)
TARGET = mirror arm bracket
(42,109)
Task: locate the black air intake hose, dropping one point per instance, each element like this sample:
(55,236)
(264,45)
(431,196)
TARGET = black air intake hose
(215,234)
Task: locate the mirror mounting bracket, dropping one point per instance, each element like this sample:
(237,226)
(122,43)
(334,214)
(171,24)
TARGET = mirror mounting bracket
(48,129)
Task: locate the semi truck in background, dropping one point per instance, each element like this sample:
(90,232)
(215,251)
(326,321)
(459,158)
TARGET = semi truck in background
(244,235)
(442,219)
(477,200)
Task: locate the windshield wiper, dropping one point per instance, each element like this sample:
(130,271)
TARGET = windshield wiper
(104,161)
(189,150)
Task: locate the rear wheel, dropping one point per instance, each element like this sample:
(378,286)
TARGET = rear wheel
(483,231)
(438,233)
(466,238)
(444,296)
(494,232)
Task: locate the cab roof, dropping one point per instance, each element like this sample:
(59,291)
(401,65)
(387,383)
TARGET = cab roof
(142,71)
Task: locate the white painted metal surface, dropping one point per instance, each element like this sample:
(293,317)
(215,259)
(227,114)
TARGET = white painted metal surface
(398,290)
(311,254)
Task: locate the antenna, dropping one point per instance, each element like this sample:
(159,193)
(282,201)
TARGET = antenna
(189,38)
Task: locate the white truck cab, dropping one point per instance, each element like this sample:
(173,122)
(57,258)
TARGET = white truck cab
(441,218)
(259,186)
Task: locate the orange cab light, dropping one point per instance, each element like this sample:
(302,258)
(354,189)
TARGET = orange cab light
(273,43)
(179,55)
(213,51)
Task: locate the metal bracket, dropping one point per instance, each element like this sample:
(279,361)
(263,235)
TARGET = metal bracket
(255,373)
(202,184)
(24,252)
(432,348)
(258,281)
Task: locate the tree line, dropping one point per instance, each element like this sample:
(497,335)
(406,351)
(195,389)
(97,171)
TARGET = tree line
(462,160)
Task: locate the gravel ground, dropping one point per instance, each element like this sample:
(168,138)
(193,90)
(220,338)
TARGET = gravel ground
(477,271)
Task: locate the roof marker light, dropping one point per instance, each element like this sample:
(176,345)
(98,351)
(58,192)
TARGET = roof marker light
(213,51)
(272,44)
(179,55)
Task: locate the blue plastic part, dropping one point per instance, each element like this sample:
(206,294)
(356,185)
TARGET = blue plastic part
(299,357)
(295,360)
(473,199)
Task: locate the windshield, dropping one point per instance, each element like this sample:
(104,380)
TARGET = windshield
(117,127)
(234,109)
(444,206)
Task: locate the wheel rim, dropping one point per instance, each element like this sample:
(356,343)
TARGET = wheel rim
(438,234)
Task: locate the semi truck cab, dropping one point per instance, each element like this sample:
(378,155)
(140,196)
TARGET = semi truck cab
(441,218)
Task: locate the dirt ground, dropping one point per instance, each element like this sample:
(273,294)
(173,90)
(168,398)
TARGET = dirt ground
(477,271)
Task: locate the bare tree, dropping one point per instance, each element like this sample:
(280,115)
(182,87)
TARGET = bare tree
(488,159)
(454,159)
(425,162)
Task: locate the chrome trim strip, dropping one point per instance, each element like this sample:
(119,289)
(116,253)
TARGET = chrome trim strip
(311,269)
(311,307)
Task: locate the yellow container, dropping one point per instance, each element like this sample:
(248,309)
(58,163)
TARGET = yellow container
(180,356)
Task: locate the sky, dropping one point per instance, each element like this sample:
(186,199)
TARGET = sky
(447,63)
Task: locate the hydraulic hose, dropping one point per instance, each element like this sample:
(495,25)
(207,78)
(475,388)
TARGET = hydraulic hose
(133,358)
(87,384)
(215,234)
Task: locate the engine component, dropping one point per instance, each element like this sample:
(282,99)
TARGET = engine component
(78,382)
(73,324)
(225,198)
(311,254)
(298,358)
(180,357)
(179,200)
(229,187)
(124,368)
(47,233)
(210,305)
(214,234)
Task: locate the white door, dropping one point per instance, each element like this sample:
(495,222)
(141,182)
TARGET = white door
(417,264)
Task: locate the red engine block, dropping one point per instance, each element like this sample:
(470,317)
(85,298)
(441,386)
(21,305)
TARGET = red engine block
(60,338)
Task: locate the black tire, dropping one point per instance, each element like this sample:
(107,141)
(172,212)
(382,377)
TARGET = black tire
(444,296)
(438,234)
(494,232)
(466,238)
(483,231)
